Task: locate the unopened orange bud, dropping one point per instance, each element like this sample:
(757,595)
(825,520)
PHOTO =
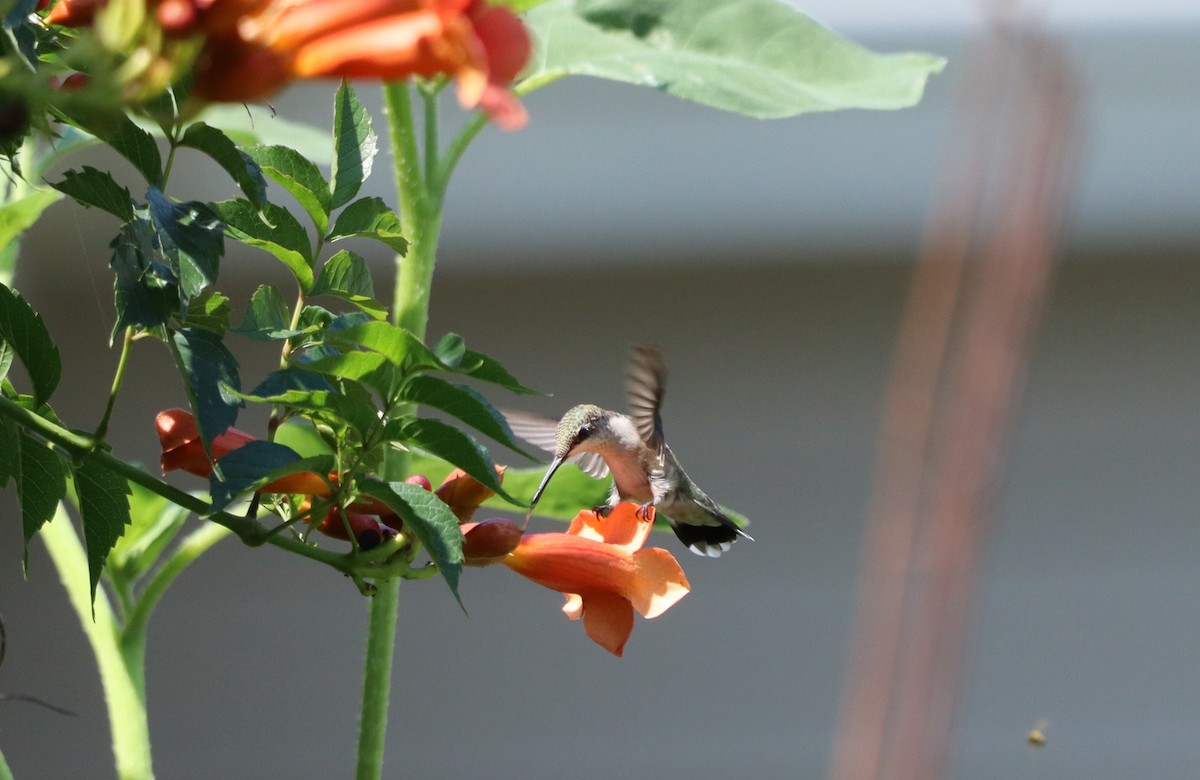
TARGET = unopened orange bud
(489,541)
(464,494)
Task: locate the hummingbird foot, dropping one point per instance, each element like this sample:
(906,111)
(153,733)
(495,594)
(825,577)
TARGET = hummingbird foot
(604,510)
(643,511)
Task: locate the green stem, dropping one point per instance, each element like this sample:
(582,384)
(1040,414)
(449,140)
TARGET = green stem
(118,377)
(119,666)
(377,680)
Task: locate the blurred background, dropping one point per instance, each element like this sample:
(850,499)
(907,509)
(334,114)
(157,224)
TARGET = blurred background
(771,261)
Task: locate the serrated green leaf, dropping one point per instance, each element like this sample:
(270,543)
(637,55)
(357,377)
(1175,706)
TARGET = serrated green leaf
(240,123)
(300,389)
(104,507)
(479,366)
(191,237)
(268,317)
(274,229)
(19,215)
(144,291)
(570,492)
(761,58)
(40,476)
(345,273)
(465,404)
(209,311)
(300,177)
(369,218)
(126,138)
(25,331)
(255,464)
(354,146)
(239,165)
(154,522)
(208,368)
(91,187)
(430,520)
(358,366)
(449,443)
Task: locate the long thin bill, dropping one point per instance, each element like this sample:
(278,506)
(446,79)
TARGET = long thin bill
(537,494)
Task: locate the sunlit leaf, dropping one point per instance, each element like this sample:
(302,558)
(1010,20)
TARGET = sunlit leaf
(345,273)
(449,443)
(274,229)
(299,176)
(479,366)
(369,218)
(354,146)
(461,402)
(209,311)
(130,141)
(268,317)
(154,522)
(761,58)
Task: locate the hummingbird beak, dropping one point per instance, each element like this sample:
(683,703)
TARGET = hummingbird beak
(537,494)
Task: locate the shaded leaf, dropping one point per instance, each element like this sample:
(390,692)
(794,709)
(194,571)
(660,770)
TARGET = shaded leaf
(104,507)
(354,146)
(144,290)
(255,464)
(346,274)
(370,218)
(91,187)
(18,215)
(209,311)
(273,229)
(26,333)
(761,58)
(208,368)
(130,141)
(465,404)
(250,128)
(154,522)
(239,165)
(40,476)
(192,239)
(450,350)
(300,389)
(430,520)
(300,177)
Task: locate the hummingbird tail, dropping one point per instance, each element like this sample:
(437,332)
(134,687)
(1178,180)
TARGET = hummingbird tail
(709,540)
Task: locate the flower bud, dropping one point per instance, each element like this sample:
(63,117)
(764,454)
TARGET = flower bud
(420,479)
(489,541)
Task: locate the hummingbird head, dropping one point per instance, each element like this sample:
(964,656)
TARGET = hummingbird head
(579,426)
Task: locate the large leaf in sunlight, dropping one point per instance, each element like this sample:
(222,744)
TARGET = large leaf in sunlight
(761,58)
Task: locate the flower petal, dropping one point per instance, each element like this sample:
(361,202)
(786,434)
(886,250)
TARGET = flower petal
(622,528)
(659,583)
(608,621)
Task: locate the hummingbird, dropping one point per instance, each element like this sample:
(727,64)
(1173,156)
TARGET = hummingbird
(631,448)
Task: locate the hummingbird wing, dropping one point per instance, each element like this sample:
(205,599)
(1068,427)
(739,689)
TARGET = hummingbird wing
(645,383)
(542,432)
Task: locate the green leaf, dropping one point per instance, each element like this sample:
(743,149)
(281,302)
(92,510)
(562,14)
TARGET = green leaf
(761,58)
(463,403)
(431,520)
(25,331)
(239,165)
(144,290)
(191,237)
(300,177)
(104,506)
(519,6)
(209,311)
(40,476)
(268,317)
(358,366)
(239,123)
(274,229)
(569,492)
(370,218)
(345,274)
(450,350)
(155,521)
(130,141)
(91,187)
(18,215)
(447,442)
(389,340)
(354,146)
(479,366)
(208,368)
(255,464)
(300,389)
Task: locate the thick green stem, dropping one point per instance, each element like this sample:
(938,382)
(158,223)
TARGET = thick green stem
(377,680)
(120,666)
